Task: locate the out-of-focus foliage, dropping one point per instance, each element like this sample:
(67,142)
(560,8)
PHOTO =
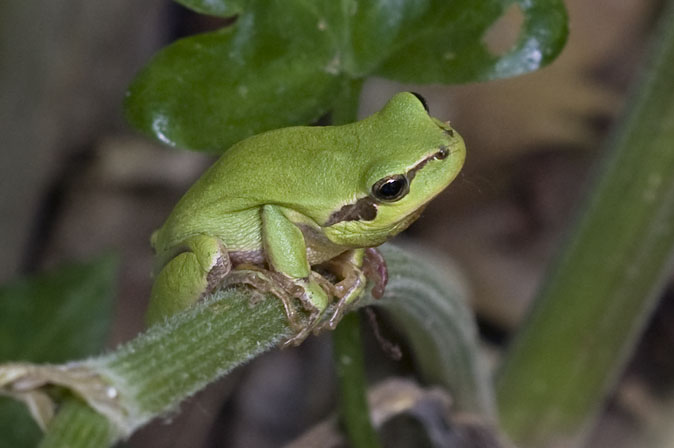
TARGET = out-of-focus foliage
(51,318)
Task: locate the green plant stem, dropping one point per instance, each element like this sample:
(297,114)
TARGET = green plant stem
(158,371)
(153,373)
(596,300)
(150,375)
(428,303)
(348,351)
(76,425)
(350,368)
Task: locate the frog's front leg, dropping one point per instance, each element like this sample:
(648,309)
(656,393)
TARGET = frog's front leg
(286,254)
(197,269)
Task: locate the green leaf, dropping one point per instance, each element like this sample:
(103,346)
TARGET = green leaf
(55,317)
(17,427)
(208,91)
(286,62)
(58,316)
(78,426)
(445,45)
(221,8)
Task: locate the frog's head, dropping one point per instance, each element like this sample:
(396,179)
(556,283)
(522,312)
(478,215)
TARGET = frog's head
(410,157)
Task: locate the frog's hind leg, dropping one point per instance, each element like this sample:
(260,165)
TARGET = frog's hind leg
(264,281)
(197,269)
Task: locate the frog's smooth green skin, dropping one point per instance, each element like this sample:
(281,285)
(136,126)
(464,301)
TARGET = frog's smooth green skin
(279,203)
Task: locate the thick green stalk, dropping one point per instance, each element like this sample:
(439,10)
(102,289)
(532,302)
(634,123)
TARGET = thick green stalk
(598,297)
(171,362)
(350,369)
(76,425)
(149,376)
(348,350)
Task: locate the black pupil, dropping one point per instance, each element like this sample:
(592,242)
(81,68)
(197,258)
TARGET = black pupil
(392,188)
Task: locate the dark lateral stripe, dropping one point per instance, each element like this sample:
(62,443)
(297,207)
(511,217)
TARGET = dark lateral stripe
(441,154)
(364,209)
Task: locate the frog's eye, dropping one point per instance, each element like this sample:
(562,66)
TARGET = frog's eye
(422,100)
(391,188)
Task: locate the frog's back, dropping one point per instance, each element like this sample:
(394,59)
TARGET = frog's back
(285,167)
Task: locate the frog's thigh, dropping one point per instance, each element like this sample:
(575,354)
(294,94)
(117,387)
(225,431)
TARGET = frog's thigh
(186,277)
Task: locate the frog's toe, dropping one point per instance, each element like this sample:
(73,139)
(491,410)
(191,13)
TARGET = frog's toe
(298,338)
(263,282)
(374,268)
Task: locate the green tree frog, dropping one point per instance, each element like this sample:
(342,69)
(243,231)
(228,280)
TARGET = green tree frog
(294,211)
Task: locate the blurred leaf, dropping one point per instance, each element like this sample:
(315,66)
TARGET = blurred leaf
(58,316)
(54,317)
(286,62)
(425,298)
(17,427)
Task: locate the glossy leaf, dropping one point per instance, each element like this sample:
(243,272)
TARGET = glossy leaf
(211,90)
(286,62)
(221,8)
(447,44)
(54,317)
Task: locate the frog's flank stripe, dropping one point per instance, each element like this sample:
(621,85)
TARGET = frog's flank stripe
(364,209)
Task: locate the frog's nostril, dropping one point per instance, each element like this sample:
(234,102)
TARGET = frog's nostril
(442,154)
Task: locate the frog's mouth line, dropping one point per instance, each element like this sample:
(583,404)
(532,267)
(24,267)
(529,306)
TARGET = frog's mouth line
(365,208)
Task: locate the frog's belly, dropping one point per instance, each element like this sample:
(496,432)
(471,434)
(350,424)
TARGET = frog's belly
(240,231)
(319,247)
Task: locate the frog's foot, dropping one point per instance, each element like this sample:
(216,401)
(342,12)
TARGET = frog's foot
(263,282)
(309,292)
(374,268)
(314,299)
